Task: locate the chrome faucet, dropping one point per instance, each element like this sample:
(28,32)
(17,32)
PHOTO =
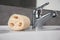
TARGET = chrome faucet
(39,20)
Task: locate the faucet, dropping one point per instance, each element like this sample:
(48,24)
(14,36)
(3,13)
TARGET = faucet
(39,20)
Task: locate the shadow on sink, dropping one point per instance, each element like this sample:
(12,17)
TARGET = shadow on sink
(4,31)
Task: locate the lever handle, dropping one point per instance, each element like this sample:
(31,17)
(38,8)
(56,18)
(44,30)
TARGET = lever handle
(42,6)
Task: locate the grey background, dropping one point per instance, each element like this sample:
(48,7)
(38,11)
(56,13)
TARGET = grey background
(19,3)
(7,11)
(19,7)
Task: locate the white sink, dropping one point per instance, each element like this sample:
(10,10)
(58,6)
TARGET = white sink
(6,34)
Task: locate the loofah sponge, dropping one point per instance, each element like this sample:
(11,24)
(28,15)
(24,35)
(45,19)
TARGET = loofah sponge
(18,22)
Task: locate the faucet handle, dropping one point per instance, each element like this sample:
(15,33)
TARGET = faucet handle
(42,6)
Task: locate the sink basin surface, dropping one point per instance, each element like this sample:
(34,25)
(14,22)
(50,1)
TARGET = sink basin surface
(7,34)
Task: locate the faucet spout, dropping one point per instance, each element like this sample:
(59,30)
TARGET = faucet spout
(39,22)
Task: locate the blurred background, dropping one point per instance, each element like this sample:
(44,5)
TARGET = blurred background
(24,7)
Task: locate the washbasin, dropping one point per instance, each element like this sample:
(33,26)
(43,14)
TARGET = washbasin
(7,34)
